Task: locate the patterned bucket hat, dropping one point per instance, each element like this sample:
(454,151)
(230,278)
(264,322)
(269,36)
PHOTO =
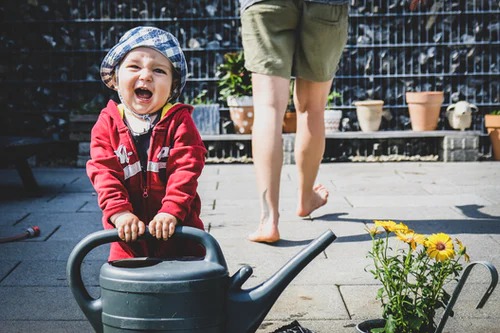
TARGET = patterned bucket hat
(160,40)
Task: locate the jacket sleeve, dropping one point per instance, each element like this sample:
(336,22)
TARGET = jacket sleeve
(185,164)
(105,171)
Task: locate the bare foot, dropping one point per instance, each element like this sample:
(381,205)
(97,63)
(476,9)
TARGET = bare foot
(319,198)
(266,233)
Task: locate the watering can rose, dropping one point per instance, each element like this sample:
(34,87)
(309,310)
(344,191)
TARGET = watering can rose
(413,271)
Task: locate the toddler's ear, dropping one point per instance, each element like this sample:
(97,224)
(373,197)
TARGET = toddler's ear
(114,81)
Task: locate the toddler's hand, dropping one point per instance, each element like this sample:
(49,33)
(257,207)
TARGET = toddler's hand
(163,226)
(129,226)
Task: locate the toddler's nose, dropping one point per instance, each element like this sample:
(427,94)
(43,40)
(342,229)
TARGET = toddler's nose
(145,75)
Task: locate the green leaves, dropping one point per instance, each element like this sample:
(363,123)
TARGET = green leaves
(412,282)
(234,78)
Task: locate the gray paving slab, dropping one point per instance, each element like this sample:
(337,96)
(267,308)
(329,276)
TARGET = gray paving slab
(403,200)
(6,266)
(54,250)
(49,273)
(53,326)
(39,303)
(9,219)
(314,302)
(332,293)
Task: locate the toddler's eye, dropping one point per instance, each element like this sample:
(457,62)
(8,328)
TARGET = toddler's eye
(161,71)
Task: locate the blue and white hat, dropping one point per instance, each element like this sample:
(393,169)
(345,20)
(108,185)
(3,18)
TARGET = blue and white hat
(160,40)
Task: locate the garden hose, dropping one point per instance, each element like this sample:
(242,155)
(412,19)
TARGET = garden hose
(31,232)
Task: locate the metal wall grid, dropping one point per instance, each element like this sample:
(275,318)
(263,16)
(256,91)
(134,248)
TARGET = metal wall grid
(53,50)
(445,45)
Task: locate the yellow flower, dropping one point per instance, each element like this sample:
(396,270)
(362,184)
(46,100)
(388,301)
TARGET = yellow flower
(400,227)
(386,224)
(391,226)
(462,250)
(440,247)
(372,230)
(411,238)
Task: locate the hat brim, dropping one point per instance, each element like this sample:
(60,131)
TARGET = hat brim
(157,39)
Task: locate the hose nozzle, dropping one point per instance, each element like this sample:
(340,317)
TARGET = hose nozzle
(33,231)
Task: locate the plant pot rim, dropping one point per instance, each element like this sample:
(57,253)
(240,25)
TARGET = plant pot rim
(436,92)
(239,101)
(364,326)
(421,97)
(492,120)
(369,102)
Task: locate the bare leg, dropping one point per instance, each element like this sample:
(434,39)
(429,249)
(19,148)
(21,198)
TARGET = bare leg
(310,101)
(270,95)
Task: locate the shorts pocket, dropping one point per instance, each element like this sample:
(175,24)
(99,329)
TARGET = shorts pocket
(325,13)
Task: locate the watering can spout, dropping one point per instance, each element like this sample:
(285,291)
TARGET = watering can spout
(247,308)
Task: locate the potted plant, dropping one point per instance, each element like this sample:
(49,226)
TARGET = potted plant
(424,108)
(290,118)
(332,116)
(413,271)
(236,89)
(206,114)
(492,124)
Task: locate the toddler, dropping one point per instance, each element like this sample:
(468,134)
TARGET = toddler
(146,152)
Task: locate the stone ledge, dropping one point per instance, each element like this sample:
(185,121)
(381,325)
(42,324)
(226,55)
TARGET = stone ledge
(356,135)
(454,146)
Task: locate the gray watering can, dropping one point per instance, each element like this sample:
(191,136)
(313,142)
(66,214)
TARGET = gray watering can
(180,295)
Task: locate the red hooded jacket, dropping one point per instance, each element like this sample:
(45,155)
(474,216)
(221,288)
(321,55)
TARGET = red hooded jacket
(176,158)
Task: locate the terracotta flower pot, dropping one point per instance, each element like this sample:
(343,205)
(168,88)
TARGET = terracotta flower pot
(369,114)
(290,122)
(241,113)
(492,124)
(424,108)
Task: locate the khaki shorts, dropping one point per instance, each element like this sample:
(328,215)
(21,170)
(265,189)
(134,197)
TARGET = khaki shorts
(294,38)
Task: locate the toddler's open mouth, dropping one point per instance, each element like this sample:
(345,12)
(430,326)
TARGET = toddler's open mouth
(143,94)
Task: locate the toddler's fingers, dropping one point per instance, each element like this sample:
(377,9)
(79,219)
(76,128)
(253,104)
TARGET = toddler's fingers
(152,228)
(141,228)
(166,231)
(133,232)
(121,233)
(126,231)
(159,231)
(171,226)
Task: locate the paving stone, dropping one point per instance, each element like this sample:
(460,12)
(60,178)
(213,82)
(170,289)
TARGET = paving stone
(54,326)
(309,301)
(416,200)
(39,303)
(55,250)
(50,273)
(331,294)
(6,266)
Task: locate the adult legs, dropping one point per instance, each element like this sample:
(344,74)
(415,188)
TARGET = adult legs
(310,101)
(270,95)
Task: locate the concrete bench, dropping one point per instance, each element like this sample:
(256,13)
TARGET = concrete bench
(17,150)
(454,146)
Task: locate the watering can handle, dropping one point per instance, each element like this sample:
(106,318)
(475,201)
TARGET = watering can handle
(91,307)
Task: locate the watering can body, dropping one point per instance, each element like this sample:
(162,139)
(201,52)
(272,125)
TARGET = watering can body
(460,114)
(144,294)
(179,295)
